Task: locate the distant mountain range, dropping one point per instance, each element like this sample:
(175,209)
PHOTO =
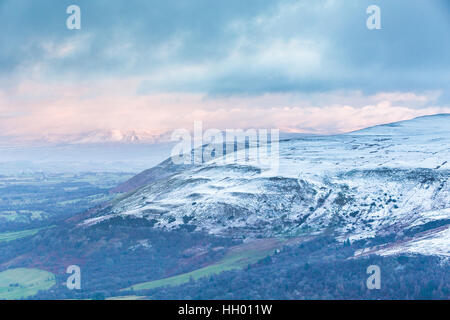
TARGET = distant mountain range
(101,150)
(100,137)
(89,137)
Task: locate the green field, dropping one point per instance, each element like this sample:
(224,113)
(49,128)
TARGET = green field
(126,298)
(23,283)
(10,236)
(237,258)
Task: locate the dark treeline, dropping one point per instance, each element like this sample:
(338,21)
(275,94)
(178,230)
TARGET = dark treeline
(318,269)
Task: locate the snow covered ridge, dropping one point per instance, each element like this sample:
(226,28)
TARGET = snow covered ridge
(88,137)
(376,181)
(434,242)
(232,146)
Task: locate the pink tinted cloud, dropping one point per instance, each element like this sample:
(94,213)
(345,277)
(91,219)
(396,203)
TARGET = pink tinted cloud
(33,109)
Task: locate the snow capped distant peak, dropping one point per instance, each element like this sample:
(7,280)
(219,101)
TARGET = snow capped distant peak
(116,136)
(92,137)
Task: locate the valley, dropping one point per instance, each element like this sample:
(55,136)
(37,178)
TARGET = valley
(37,199)
(221,230)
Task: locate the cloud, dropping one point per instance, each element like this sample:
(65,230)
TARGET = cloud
(159,65)
(60,109)
(231,47)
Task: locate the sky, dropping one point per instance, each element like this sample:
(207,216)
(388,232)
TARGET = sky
(157,66)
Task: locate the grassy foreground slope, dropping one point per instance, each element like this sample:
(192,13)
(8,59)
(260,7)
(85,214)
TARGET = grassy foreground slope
(127,298)
(238,258)
(10,236)
(23,282)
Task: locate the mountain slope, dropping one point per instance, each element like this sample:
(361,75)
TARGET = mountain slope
(375,181)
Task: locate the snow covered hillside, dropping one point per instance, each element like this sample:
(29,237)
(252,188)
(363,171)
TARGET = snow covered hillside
(380,180)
